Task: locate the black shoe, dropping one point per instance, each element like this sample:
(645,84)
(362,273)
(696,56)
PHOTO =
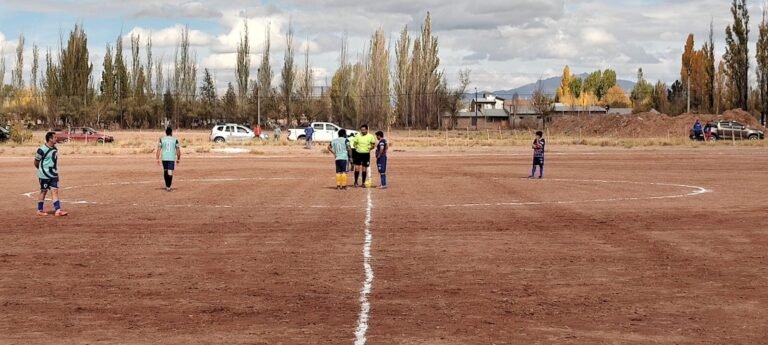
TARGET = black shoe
(541,177)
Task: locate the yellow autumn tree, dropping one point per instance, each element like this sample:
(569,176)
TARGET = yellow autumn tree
(564,91)
(616,97)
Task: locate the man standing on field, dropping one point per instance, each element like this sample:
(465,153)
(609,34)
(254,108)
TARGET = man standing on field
(539,144)
(361,151)
(46,162)
(169,150)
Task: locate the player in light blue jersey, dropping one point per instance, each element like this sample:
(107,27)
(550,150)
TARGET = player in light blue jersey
(47,164)
(169,153)
(341,149)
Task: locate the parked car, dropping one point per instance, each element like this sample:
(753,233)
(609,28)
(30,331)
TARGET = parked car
(84,134)
(231,132)
(324,131)
(4,135)
(732,130)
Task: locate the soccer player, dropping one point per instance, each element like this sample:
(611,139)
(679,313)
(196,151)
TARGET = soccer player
(538,154)
(168,149)
(381,158)
(341,152)
(46,162)
(361,154)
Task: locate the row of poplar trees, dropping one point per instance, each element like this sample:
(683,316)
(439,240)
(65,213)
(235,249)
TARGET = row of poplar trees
(718,86)
(144,91)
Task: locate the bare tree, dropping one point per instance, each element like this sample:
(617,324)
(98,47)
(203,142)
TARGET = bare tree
(17,74)
(288,73)
(2,73)
(243,67)
(402,77)
(456,97)
(762,63)
(264,86)
(542,102)
(149,69)
(35,68)
(376,98)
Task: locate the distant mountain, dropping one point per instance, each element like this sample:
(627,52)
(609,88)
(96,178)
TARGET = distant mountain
(549,85)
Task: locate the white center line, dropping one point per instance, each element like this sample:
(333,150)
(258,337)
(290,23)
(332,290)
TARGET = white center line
(365,305)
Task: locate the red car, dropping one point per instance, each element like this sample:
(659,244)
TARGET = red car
(84,134)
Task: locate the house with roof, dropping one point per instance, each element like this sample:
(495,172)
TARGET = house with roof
(492,112)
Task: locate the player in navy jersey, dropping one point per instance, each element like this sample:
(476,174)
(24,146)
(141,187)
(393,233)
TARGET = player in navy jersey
(538,154)
(381,158)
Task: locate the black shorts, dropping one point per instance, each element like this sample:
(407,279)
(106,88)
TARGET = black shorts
(341,166)
(48,183)
(538,161)
(169,165)
(363,159)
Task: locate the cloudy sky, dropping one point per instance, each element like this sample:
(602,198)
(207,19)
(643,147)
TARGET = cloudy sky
(505,43)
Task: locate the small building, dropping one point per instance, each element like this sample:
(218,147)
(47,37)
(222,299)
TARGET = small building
(525,117)
(486,119)
(488,101)
(560,109)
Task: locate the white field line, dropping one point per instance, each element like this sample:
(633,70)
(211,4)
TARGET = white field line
(694,191)
(365,305)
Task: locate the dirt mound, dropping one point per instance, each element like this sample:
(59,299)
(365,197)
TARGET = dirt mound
(642,125)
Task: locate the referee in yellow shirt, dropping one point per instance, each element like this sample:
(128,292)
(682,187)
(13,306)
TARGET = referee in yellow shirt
(361,153)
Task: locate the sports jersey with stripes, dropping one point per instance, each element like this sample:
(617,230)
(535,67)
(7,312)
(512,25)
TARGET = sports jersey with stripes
(48,158)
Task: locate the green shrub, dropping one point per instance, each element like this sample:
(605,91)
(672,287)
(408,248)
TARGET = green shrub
(20,136)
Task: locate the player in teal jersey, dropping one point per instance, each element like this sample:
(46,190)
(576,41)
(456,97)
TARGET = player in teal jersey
(46,162)
(169,153)
(341,149)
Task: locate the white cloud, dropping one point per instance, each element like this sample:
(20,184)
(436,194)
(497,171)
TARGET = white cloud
(597,37)
(169,37)
(190,9)
(505,43)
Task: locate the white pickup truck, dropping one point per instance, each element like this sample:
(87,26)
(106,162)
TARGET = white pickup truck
(324,131)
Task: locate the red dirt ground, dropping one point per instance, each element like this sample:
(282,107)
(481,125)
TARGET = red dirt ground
(261,250)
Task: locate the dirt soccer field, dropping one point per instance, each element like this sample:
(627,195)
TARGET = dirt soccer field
(614,246)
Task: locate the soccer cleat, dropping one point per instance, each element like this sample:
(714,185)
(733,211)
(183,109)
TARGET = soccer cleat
(168,189)
(42,214)
(382,187)
(60,213)
(531,177)
(345,188)
(356,185)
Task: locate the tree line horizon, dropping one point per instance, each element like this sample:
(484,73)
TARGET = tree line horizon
(404,88)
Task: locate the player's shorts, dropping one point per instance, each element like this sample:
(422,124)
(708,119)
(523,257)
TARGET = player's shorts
(49,183)
(169,165)
(381,163)
(341,166)
(363,159)
(538,160)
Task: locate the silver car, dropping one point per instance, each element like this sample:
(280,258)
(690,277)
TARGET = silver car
(231,132)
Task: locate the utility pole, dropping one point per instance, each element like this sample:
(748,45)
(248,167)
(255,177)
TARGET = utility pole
(258,101)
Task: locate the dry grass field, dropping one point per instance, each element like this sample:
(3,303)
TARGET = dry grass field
(662,243)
